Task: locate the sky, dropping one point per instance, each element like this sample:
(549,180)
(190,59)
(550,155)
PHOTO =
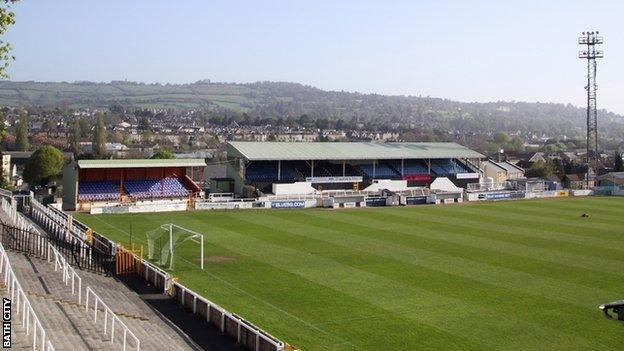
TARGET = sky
(461,50)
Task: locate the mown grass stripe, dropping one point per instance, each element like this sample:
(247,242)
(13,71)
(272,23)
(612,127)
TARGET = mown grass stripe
(403,266)
(516,230)
(392,281)
(401,222)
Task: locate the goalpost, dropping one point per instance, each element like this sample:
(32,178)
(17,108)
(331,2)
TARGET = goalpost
(163,241)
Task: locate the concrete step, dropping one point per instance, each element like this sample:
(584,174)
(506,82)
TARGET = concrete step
(153,332)
(19,339)
(66,324)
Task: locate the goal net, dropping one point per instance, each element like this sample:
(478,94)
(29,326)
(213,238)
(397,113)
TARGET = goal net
(164,242)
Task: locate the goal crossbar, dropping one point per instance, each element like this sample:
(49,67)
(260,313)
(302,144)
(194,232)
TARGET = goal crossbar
(169,229)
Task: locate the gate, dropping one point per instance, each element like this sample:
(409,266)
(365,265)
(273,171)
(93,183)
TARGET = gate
(128,261)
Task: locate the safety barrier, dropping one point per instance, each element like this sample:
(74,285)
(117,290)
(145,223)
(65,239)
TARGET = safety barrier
(68,224)
(6,193)
(29,319)
(15,218)
(246,334)
(109,314)
(69,274)
(55,222)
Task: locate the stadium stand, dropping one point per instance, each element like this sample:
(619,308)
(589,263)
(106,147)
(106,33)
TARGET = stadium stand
(262,171)
(302,168)
(156,188)
(410,167)
(335,169)
(447,167)
(101,184)
(344,165)
(380,170)
(98,191)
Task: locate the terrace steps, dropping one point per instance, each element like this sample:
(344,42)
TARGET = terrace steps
(71,328)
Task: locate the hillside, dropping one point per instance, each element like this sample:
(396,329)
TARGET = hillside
(284,100)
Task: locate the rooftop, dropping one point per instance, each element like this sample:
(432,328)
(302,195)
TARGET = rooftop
(346,151)
(612,175)
(141,163)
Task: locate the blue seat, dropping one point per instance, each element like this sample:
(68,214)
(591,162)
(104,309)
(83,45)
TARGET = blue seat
(97,191)
(156,188)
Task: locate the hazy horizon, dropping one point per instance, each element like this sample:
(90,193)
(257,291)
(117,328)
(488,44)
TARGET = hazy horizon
(480,52)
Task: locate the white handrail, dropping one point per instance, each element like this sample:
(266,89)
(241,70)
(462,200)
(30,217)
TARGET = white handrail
(68,271)
(16,218)
(241,323)
(109,314)
(23,306)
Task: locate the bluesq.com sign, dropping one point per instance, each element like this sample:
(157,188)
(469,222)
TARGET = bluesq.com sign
(288,204)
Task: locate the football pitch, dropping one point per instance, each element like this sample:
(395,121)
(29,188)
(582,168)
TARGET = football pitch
(516,275)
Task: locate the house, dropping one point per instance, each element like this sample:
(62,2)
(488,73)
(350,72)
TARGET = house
(513,171)
(501,172)
(111,148)
(492,170)
(538,157)
(611,179)
(574,181)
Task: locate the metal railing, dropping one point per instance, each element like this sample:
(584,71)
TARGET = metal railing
(69,274)
(15,218)
(56,221)
(29,319)
(109,315)
(245,333)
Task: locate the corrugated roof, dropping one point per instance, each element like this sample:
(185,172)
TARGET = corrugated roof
(346,151)
(142,163)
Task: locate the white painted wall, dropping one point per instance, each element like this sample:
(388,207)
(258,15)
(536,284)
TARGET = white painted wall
(392,185)
(297,188)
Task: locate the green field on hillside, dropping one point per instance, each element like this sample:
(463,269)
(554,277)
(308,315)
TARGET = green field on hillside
(517,275)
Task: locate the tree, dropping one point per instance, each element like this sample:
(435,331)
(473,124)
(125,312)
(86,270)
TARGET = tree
(163,155)
(7,18)
(21,132)
(3,129)
(501,138)
(85,128)
(540,170)
(618,165)
(76,137)
(99,136)
(144,124)
(44,165)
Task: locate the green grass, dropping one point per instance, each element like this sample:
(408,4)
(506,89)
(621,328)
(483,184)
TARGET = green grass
(518,275)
